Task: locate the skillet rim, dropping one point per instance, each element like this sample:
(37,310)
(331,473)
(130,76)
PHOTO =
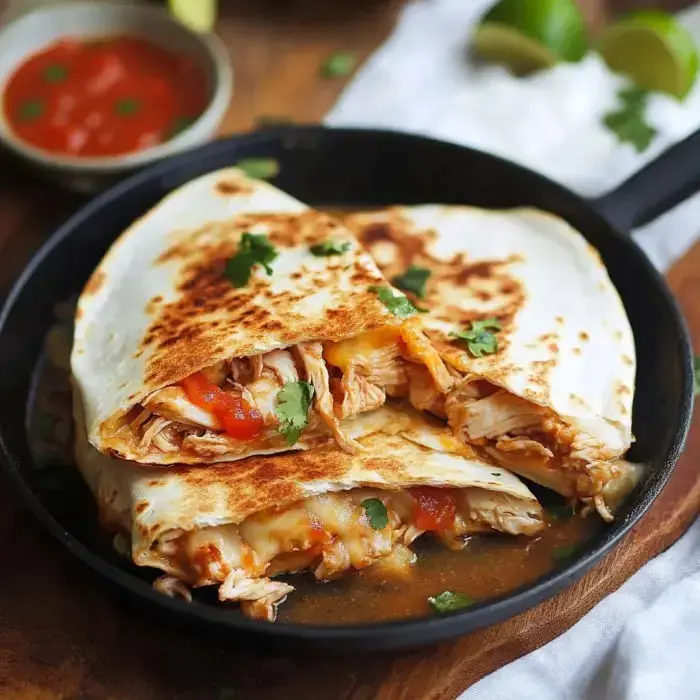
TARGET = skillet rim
(377,635)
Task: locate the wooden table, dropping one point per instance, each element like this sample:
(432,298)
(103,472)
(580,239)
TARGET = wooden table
(62,636)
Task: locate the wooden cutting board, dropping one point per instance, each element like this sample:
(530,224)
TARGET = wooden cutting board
(64,637)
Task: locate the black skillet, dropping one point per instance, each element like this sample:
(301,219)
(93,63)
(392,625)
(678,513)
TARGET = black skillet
(372,168)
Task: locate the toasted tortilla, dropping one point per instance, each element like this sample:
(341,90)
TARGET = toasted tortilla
(237,525)
(159,307)
(565,343)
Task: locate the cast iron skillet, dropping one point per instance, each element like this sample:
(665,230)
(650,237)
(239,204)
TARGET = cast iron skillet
(374,168)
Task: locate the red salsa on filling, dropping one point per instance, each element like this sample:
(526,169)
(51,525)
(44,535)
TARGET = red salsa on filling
(103,97)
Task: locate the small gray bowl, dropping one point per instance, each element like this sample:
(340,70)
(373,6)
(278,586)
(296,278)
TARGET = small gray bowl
(32,32)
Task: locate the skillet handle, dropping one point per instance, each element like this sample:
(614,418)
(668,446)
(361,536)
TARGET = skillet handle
(658,187)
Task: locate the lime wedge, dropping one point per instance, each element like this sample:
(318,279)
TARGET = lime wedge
(198,15)
(652,48)
(527,35)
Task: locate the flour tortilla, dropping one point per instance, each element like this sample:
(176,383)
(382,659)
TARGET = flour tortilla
(159,307)
(566,343)
(238,521)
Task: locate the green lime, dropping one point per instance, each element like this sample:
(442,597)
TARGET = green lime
(199,15)
(652,48)
(527,35)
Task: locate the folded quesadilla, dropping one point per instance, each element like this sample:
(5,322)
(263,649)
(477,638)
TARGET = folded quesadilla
(200,336)
(242,524)
(524,316)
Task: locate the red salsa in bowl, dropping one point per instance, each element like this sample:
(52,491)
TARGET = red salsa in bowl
(104,97)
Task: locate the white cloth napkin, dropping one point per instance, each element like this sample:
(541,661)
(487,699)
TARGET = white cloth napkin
(421,80)
(643,641)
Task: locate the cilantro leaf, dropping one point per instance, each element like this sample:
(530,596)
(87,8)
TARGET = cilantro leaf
(330,247)
(55,73)
(259,168)
(127,107)
(30,110)
(697,375)
(292,409)
(338,65)
(398,304)
(254,248)
(480,338)
(563,553)
(628,121)
(448,601)
(413,280)
(376,513)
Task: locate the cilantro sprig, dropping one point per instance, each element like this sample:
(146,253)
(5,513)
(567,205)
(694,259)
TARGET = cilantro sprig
(398,304)
(259,168)
(413,280)
(628,120)
(330,247)
(338,65)
(292,409)
(376,513)
(448,601)
(255,248)
(480,338)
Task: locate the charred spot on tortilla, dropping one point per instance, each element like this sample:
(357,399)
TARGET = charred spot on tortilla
(95,283)
(232,186)
(583,336)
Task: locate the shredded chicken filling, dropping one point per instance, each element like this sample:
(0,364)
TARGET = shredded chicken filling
(330,535)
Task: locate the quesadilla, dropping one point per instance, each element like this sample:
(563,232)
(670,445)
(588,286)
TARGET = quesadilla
(522,312)
(240,525)
(199,336)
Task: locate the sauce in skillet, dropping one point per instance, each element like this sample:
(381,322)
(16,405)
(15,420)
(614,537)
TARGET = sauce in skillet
(104,97)
(489,566)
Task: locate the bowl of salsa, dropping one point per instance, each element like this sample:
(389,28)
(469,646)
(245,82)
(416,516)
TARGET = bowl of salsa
(92,91)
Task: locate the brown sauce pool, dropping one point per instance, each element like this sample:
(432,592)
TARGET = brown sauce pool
(489,566)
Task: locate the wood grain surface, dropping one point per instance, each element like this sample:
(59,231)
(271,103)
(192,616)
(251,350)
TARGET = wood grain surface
(63,636)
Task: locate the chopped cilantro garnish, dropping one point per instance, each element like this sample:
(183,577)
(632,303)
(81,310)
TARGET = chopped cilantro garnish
(338,65)
(254,248)
(398,304)
(330,247)
(376,513)
(292,409)
(563,553)
(127,106)
(30,110)
(55,73)
(413,280)
(259,168)
(479,338)
(449,602)
(628,120)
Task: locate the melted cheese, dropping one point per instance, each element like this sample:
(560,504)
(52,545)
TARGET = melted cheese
(343,353)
